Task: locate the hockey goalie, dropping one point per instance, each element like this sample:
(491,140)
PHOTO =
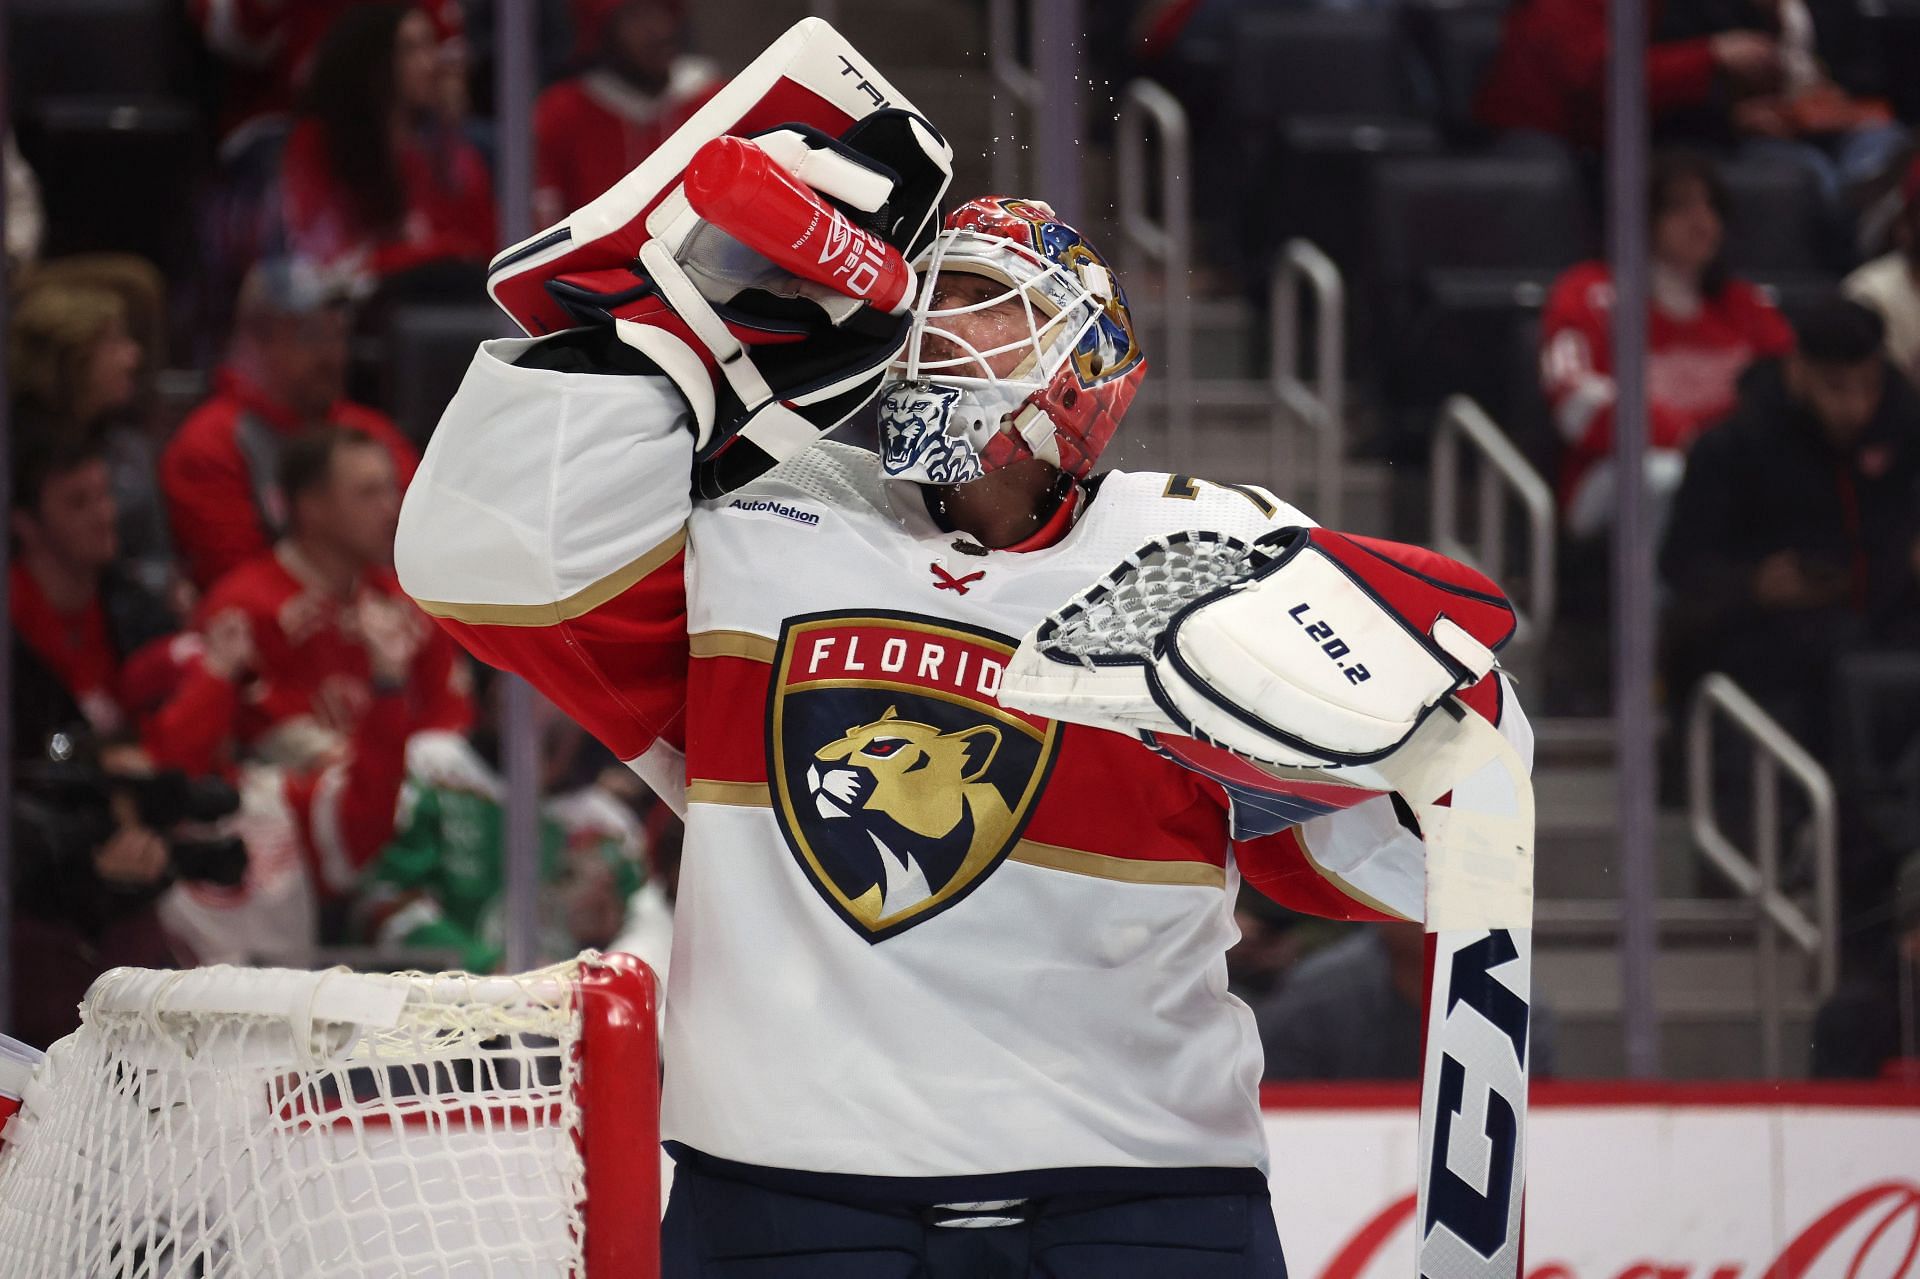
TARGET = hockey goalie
(974,742)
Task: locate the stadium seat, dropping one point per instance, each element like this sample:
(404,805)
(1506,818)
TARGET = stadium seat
(1776,225)
(1462,251)
(1320,63)
(1487,212)
(1459,41)
(429,347)
(1317,98)
(118,175)
(125,48)
(896,34)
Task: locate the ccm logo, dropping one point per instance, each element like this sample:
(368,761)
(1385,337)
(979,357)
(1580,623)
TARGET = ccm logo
(1332,645)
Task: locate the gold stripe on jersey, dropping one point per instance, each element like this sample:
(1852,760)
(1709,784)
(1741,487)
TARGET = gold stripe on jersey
(1345,886)
(578,604)
(1124,869)
(755,648)
(735,794)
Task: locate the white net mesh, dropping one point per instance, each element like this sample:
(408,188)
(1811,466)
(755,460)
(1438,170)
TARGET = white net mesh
(1128,613)
(230,1122)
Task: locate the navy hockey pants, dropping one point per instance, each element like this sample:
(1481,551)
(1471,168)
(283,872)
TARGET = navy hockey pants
(718,1228)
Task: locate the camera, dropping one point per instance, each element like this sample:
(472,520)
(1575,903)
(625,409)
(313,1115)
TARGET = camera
(69,800)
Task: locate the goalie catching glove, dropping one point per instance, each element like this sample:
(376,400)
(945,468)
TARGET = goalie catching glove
(1304,649)
(768,361)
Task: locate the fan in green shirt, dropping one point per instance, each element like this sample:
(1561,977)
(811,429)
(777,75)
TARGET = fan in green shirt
(438,885)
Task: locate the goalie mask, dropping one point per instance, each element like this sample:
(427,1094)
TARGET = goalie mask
(1063,341)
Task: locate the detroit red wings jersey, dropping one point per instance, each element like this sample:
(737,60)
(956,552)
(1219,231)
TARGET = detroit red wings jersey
(918,934)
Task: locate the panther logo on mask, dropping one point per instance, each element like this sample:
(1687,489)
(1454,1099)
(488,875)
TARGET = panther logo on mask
(915,441)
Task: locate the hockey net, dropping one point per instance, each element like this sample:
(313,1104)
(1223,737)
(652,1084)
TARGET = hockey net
(265,1122)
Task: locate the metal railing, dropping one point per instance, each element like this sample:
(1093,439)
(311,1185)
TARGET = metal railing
(1319,405)
(1815,934)
(1502,470)
(1166,240)
(1020,83)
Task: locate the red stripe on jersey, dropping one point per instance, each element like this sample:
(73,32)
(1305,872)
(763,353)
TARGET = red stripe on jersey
(619,670)
(1108,794)
(726,734)
(1278,866)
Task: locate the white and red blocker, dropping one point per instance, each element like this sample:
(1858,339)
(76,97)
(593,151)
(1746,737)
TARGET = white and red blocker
(737,187)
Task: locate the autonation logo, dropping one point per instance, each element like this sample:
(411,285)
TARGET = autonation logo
(762,506)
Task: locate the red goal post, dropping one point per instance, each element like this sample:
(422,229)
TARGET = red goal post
(229,1121)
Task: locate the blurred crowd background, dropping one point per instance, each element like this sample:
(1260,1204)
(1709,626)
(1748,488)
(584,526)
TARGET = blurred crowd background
(246,245)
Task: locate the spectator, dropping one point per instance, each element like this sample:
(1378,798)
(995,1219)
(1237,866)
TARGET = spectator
(308,831)
(637,88)
(1704,328)
(1351,1010)
(319,601)
(1549,76)
(86,873)
(1270,944)
(1820,112)
(1796,532)
(376,178)
(1891,284)
(440,883)
(1870,1027)
(267,49)
(77,369)
(70,359)
(285,375)
(75,614)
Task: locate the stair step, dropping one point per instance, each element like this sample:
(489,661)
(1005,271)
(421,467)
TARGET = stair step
(1690,1048)
(1719,982)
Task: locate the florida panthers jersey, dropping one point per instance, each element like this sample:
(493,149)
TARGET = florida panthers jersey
(919,934)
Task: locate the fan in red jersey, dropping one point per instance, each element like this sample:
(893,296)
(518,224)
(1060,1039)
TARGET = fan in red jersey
(286,374)
(316,602)
(1704,329)
(638,88)
(76,613)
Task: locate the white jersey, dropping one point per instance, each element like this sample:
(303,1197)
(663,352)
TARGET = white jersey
(919,934)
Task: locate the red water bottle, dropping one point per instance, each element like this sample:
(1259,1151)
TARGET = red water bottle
(734,185)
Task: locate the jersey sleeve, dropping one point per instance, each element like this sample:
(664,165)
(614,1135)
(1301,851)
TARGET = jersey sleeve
(1368,861)
(545,530)
(346,809)
(210,504)
(192,730)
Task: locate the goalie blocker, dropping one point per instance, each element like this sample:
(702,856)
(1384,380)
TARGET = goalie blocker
(768,360)
(1307,657)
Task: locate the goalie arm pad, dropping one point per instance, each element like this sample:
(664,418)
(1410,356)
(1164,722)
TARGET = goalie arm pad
(545,531)
(1367,861)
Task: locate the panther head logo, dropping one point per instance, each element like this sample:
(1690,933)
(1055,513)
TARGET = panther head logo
(919,794)
(899,782)
(914,436)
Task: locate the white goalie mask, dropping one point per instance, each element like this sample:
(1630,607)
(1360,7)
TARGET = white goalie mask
(946,417)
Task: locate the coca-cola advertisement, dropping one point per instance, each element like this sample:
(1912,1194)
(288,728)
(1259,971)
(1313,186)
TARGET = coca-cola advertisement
(1625,1181)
